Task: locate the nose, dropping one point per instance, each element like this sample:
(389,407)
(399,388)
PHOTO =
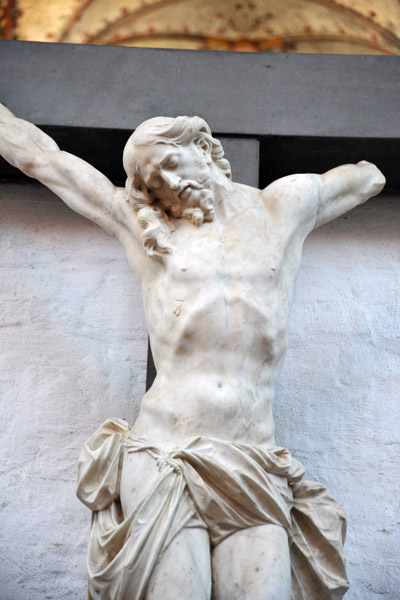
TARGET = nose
(172,180)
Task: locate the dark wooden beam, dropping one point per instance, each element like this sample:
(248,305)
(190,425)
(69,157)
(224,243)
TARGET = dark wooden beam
(237,93)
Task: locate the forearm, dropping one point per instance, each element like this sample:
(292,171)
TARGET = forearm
(21,143)
(348,186)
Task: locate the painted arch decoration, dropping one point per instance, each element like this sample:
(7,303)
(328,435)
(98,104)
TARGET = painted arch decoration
(327,26)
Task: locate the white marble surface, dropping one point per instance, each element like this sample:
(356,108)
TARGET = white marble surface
(217,294)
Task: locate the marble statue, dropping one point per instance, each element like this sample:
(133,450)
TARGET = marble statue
(196,500)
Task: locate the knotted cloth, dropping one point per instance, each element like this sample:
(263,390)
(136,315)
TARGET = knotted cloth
(208,483)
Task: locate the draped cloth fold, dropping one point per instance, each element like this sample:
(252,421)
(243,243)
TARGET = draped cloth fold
(208,483)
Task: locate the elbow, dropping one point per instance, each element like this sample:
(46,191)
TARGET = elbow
(379,182)
(378,185)
(374,177)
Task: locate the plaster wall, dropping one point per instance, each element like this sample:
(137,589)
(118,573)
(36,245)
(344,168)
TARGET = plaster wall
(73,352)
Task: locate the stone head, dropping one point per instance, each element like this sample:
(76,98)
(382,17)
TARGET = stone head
(169,163)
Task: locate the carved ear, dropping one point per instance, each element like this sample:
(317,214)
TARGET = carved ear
(204,146)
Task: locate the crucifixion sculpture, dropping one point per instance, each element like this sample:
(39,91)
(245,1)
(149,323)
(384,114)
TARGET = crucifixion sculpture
(196,499)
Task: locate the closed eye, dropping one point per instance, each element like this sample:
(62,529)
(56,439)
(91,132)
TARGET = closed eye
(170,162)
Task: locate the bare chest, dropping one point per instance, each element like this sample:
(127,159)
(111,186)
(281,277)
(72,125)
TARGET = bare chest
(217,270)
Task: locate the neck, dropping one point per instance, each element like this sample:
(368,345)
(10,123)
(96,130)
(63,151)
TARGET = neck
(223,191)
(226,198)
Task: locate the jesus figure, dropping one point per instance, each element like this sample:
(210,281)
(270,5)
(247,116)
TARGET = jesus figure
(197,500)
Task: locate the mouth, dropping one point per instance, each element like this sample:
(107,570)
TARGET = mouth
(185,191)
(191,186)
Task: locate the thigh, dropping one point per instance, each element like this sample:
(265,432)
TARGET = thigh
(183,570)
(253,564)
(139,473)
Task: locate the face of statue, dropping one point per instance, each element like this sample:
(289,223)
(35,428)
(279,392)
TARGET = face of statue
(179,177)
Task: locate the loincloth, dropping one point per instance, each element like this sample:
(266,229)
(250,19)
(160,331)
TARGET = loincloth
(208,483)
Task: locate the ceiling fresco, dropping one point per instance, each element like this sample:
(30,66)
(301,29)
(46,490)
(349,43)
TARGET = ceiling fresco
(327,26)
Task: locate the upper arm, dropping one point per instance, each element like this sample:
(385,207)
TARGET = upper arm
(82,187)
(295,200)
(348,186)
(311,200)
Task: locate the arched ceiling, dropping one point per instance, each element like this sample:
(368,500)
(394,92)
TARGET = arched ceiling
(333,26)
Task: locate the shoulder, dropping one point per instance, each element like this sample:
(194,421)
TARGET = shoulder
(124,212)
(296,185)
(298,194)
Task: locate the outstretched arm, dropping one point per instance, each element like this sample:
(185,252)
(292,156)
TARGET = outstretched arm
(78,184)
(347,186)
(305,201)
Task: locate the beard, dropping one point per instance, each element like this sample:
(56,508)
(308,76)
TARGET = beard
(199,207)
(195,202)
